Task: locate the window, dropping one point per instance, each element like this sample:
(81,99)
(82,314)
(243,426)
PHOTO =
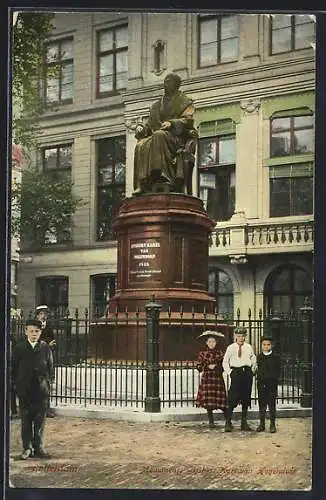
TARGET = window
(292,135)
(286,289)
(57,161)
(53,291)
(103,288)
(216,167)
(218,39)
(220,286)
(290,32)
(291,196)
(112,60)
(111,180)
(58,86)
(159,57)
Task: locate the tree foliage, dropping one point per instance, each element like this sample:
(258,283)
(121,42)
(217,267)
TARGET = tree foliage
(29,36)
(42,205)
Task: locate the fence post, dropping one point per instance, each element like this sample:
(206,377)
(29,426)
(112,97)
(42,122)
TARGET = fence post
(152,399)
(306,364)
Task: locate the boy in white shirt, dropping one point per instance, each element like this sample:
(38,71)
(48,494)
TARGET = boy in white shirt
(240,363)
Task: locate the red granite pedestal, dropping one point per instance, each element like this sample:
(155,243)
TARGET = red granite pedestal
(162,252)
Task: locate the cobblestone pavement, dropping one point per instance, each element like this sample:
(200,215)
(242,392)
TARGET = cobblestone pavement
(107,454)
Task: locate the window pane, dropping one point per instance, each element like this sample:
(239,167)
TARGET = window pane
(208,54)
(281,144)
(52,90)
(229,49)
(50,159)
(207,153)
(281,40)
(52,53)
(208,31)
(66,92)
(65,157)
(227,150)
(302,196)
(120,149)
(303,19)
(224,283)
(303,141)
(66,50)
(283,282)
(280,124)
(301,281)
(106,83)
(281,304)
(121,37)
(211,282)
(120,173)
(210,201)
(229,27)
(122,67)
(281,21)
(106,65)
(304,35)
(225,304)
(303,121)
(67,73)
(279,197)
(106,40)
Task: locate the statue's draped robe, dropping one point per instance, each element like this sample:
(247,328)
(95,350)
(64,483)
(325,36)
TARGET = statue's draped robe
(154,153)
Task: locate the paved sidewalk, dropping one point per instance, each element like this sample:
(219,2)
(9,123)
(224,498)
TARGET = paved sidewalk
(90,453)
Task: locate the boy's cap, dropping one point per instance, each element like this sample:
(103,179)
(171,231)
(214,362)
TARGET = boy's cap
(33,322)
(266,338)
(240,330)
(42,307)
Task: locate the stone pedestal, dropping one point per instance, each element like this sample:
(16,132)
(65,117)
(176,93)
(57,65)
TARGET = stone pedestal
(162,252)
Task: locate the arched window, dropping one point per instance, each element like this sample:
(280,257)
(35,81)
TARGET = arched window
(220,286)
(286,289)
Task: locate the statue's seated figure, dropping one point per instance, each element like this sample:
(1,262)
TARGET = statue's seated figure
(165,151)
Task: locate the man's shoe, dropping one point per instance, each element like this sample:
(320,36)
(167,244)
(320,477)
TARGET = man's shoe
(26,454)
(272,428)
(245,426)
(260,428)
(41,454)
(228,427)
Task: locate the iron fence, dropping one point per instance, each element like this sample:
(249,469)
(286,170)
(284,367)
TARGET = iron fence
(107,361)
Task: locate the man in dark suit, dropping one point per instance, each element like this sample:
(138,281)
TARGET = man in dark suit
(47,335)
(32,373)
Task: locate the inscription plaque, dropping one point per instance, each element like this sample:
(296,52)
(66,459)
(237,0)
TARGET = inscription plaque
(145,260)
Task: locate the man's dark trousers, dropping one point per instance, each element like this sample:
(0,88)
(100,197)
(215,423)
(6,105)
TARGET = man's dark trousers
(33,417)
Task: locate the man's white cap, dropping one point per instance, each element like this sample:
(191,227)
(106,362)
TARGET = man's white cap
(41,308)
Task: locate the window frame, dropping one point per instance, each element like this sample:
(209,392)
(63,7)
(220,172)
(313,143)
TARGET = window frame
(291,194)
(111,286)
(292,131)
(113,51)
(218,17)
(61,306)
(100,186)
(58,170)
(292,41)
(230,168)
(217,294)
(61,63)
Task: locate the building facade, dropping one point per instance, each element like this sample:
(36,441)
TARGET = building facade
(252,79)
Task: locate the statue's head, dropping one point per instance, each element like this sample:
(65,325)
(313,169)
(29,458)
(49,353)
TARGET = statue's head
(172,82)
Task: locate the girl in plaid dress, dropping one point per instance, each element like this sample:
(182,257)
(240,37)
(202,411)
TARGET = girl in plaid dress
(211,392)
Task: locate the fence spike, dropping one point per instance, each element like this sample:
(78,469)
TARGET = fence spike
(67,313)
(205,312)
(260,313)
(193,311)
(238,314)
(249,313)
(30,315)
(181,310)
(76,313)
(169,311)
(86,312)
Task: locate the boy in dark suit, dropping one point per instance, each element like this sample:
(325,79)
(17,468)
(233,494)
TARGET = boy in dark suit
(32,372)
(268,373)
(42,313)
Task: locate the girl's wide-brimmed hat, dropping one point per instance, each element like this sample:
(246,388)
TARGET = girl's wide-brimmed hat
(210,333)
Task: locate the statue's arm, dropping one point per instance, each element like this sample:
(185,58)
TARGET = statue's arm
(185,122)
